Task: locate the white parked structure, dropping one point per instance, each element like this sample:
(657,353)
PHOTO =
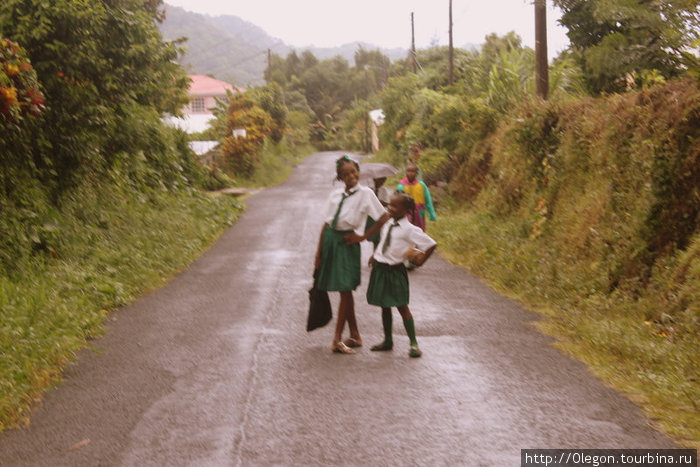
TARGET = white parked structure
(376,116)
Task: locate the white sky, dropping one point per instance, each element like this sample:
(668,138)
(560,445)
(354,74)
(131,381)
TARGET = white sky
(386,23)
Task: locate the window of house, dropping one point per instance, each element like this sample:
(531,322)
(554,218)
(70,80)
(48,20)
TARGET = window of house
(198,105)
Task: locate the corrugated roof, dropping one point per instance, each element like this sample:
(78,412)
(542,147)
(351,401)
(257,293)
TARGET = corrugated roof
(205,86)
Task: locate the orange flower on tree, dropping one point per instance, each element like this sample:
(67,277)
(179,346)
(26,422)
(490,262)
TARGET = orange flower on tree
(20,94)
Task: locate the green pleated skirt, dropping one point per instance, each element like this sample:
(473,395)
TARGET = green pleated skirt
(388,285)
(340,263)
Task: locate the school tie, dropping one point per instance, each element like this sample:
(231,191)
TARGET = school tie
(387,241)
(340,206)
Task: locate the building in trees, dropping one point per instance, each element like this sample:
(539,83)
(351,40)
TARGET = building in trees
(203,94)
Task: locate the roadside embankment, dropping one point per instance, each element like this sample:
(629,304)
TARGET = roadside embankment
(99,250)
(589,212)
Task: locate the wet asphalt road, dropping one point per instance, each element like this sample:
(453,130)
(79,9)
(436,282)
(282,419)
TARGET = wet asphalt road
(216,369)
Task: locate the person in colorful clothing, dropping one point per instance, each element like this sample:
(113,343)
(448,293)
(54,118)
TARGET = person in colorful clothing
(417,190)
(337,262)
(388,284)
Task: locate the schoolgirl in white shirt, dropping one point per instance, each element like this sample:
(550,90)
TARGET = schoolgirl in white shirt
(400,242)
(337,263)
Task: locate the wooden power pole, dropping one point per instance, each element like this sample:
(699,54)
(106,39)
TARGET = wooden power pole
(413,45)
(541,65)
(451,81)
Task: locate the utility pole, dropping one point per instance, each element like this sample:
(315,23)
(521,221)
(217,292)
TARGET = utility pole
(413,45)
(452,52)
(367,141)
(541,65)
(269,65)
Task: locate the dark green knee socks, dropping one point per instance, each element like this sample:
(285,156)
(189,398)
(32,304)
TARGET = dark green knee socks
(386,322)
(407,323)
(411,331)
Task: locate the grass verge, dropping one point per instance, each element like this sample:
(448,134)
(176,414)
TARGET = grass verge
(111,245)
(654,363)
(277,161)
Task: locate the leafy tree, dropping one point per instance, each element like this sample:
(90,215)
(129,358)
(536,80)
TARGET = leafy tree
(330,88)
(271,99)
(299,128)
(374,65)
(296,101)
(614,39)
(308,59)
(511,78)
(565,77)
(241,154)
(397,101)
(475,70)
(97,63)
(21,99)
(276,71)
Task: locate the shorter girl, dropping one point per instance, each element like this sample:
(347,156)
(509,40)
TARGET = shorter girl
(388,283)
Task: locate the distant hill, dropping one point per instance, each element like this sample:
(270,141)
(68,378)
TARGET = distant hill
(234,50)
(226,47)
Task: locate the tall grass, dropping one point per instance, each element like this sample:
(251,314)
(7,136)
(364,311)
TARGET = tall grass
(109,246)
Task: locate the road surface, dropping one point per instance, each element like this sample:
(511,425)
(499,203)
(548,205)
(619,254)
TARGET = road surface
(216,369)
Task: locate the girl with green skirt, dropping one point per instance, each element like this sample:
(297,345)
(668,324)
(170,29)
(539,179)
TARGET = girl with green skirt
(400,241)
(337,262)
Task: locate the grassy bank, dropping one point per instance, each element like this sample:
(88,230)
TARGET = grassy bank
(108,246)
(588,212)
(613,334)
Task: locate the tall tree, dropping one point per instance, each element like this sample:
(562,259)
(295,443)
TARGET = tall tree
(100,64)
(616,39)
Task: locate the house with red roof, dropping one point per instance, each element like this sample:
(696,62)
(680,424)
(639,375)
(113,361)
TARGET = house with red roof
(203,92)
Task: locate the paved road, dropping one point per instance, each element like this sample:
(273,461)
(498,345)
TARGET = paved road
(216,369)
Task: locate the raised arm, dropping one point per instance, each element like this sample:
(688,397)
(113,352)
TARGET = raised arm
(418,257)
(355,238)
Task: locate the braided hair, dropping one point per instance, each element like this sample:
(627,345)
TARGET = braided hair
(408,202)
(339,163)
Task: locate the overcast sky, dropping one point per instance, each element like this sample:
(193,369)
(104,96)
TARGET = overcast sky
(386,23)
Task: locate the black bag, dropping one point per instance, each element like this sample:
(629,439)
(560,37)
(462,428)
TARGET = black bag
(320,312)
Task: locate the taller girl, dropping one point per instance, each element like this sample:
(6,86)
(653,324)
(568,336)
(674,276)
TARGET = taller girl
(337,262)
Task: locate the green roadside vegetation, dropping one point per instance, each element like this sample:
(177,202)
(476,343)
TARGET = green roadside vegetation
(587,210)
(100,201)
(107,248)
(599,235)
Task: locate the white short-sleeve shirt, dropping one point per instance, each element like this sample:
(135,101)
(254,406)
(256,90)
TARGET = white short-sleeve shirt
(404,236)
(353,215)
